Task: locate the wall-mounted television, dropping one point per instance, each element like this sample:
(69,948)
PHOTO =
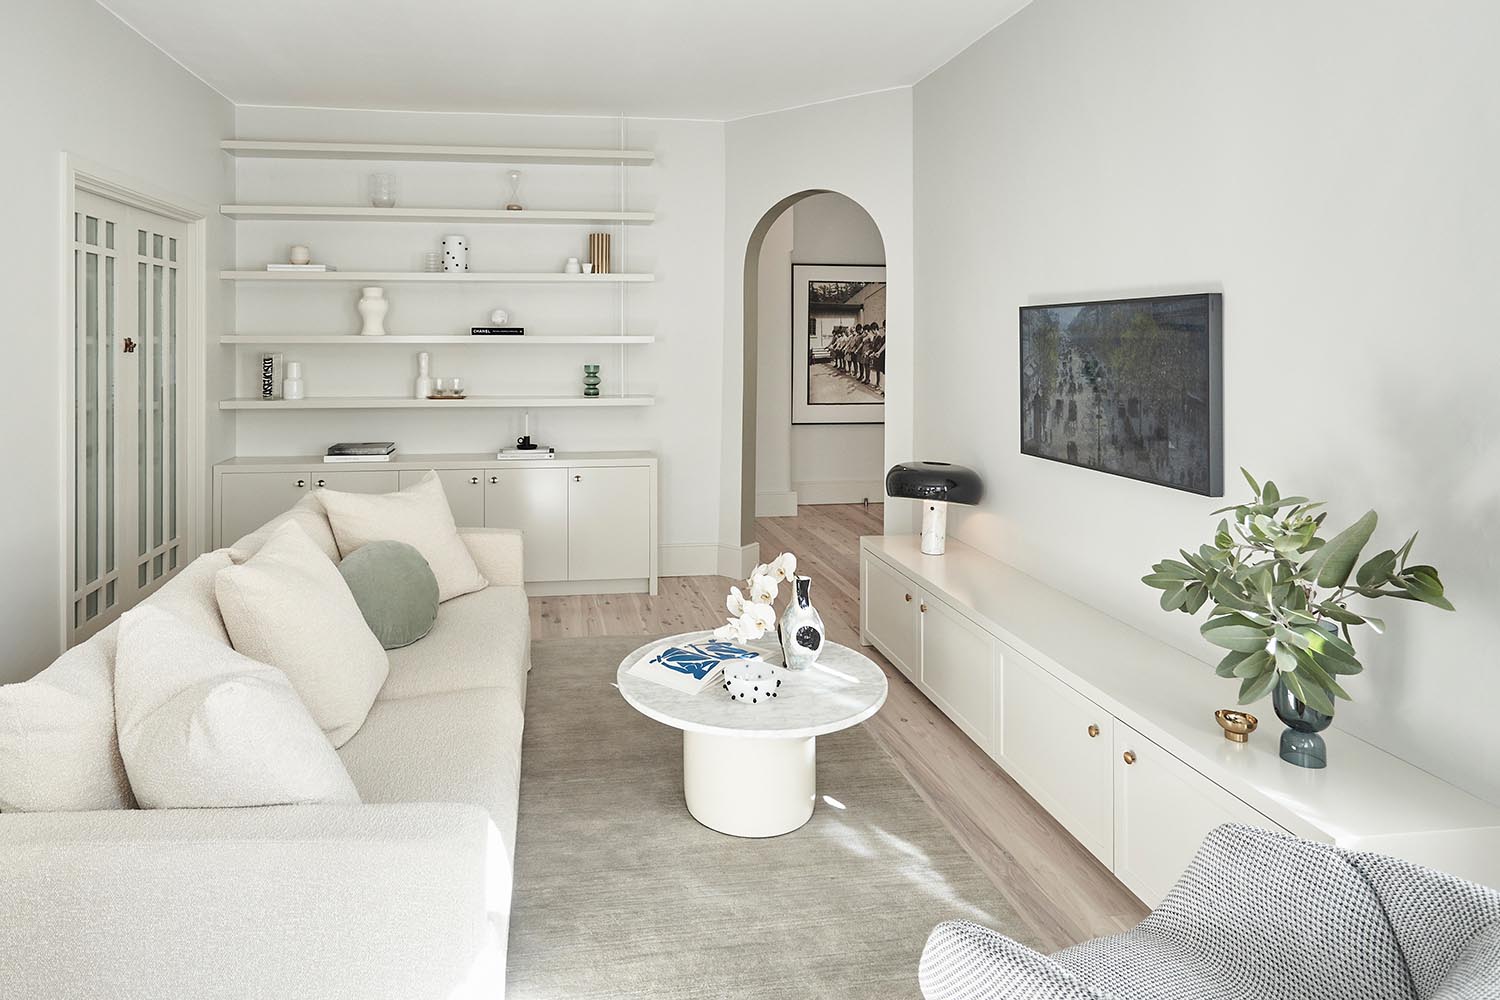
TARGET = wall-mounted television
(1131,387)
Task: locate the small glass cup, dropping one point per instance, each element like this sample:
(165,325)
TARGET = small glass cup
(383,190)
(448,387)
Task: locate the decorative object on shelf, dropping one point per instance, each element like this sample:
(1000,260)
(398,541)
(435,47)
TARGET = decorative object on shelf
(1131,387)
(301,268)
(360,451)
(423,387)
(514,204)
(292,387)
(500,317)
(455,253)
(1300,742)
(591,380)
(1237,725)
(448,388)
(599,252)
(936,484)
(572,266)
(1281,598)
(838,362)
(299,254)
(801,627)
(270,375)
(751,681)
(432,261)
(383,190)
(373,306)
(497,331)
(588,267)
(524,443)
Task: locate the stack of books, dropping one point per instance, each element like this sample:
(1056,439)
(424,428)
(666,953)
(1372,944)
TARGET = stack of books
(360,451)
(689,668)
(300,267)
(525,453)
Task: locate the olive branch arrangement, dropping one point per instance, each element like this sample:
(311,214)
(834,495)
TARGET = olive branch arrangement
(1281,594)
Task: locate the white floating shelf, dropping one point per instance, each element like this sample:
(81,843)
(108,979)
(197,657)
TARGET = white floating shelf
(406,403)
(355,340)
(397,151)
(369,213)
(437,277)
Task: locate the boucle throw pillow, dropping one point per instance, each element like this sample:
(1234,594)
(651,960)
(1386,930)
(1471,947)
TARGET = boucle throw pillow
(395,590)
(289,607)
(189,596)
(203,727)
(419,516)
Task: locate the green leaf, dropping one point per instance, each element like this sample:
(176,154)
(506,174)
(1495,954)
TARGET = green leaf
(1405,550)
(1332,564)
(1251,480)
(1340,614)
(1246,638)
(1254,664)
(1255,688)
(1422,584)
(1321,679)
(1309,691)
(1376,570)
(1173,597)
(1197,597)
(1229,662)
(1270,494)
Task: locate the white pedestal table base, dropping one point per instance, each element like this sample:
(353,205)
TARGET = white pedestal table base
(749,787)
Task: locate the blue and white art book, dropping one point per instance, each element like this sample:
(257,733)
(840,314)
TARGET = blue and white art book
(690,667)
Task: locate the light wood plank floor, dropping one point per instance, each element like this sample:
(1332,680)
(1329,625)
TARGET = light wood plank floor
(1054,884)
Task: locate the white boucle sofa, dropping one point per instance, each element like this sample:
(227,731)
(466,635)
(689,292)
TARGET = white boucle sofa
(405,896)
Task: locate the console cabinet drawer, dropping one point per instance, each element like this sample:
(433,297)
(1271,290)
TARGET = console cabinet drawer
(891,621)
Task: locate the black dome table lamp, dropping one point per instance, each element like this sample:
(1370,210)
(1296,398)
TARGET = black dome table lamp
(936,484)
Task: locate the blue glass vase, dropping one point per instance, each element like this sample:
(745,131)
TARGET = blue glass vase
(1300,742)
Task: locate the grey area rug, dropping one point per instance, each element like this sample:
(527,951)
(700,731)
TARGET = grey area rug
(619,893)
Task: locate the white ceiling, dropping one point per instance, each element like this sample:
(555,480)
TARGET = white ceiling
(714,59)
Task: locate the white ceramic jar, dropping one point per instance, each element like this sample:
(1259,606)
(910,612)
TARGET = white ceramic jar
(455,253)
(372,309)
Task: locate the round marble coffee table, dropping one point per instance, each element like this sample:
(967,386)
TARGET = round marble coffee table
(750,770)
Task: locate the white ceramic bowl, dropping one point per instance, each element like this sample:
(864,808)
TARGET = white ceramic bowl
(752,682)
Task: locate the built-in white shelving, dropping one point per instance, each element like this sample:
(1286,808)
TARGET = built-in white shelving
(369,213)
(440,277)
(484,340)
(283,149)
(408,403)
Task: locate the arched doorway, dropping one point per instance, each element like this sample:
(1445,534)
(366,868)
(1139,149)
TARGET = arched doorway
(813,385)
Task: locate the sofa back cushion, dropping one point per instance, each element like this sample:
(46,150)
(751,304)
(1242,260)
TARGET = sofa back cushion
(58,751)
(419,516)
(289,607)
(307,514)
(189,596)
(202,726)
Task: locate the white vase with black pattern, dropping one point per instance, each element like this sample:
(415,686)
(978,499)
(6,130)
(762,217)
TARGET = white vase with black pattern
(455,254)
(801,627)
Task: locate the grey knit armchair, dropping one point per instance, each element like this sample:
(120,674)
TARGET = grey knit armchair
(1257,916)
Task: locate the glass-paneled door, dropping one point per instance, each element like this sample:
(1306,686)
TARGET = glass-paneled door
(126,497)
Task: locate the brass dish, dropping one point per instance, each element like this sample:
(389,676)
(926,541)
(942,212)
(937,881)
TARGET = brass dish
(1237,725)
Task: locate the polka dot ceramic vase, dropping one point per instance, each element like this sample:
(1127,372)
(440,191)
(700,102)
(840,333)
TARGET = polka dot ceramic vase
(751,682)
(455,254)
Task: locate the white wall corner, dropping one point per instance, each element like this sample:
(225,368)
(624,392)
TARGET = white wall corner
(840,491)
(776,504)
(689,559)
(736,561)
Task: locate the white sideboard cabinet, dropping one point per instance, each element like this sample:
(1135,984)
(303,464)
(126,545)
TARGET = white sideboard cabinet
(589,519)
(1113,732)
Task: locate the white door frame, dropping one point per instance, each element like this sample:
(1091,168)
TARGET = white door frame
(79,174)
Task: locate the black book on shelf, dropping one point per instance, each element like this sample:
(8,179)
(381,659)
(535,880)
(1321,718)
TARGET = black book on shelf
(362,448)
(498,331)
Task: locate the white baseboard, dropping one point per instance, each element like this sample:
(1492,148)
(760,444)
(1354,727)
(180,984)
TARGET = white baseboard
(840,491)
(736,561)
(689,559)
(776,504)
(568,588)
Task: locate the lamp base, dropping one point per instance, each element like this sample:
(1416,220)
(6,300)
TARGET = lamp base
(934,527)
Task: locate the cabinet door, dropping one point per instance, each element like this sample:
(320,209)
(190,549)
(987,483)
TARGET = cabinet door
(1163,810)
(609,511)
(958,669)
(248,500)
(357,480)
(536,501)
(890,621)
(1056,743)
(464,489)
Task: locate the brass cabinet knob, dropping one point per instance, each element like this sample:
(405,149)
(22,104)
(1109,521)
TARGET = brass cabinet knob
(1093,732)
(473,480)
(908,598)
(922,608)
(322,482)
(1130,756)
(494,480)
(301,483)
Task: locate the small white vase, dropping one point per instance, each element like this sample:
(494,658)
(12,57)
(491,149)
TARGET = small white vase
(291,386)
(752,682)
(455,253)
(372,309)
(423,387)
(572,266)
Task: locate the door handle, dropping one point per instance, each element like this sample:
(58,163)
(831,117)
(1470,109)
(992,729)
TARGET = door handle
(1129,756)
(128,346)
(908,598)
(1093,732)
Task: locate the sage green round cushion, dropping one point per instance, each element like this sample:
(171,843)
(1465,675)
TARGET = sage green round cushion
(395,590)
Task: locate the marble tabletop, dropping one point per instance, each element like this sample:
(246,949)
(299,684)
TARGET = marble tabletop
(842,689)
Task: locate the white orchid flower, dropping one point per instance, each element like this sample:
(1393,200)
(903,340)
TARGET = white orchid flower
(755,622)
(728,632)
(784,566)
(762,590)
(735,602)
(764,569)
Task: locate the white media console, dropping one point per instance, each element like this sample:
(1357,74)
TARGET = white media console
(1113,732)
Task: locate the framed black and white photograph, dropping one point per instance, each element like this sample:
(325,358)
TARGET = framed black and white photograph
(1131,387)
(838,344)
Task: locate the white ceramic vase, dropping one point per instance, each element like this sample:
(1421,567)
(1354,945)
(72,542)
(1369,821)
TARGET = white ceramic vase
(291,386)
(801,627)
(373,306)
(455,253)
(423,387)
(752,682)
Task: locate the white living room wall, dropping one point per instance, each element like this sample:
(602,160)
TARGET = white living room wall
(685,187)
(80,82)
(861,148)
(1330,168)
(809,463)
